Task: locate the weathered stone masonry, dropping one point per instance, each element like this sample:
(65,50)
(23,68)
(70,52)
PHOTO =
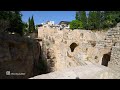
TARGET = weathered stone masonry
(115,57)
(88,47)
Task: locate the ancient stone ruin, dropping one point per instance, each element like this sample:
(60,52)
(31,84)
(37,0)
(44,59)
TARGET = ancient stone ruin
(96,54)
(62,54)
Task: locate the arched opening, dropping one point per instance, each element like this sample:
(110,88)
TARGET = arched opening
(73,46)
(105,59)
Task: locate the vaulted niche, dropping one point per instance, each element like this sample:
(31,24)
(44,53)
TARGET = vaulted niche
(73,46)
(105,59)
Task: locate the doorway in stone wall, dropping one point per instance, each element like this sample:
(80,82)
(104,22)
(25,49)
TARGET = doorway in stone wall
(105,59)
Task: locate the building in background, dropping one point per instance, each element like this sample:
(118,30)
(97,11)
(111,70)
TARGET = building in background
(51,24)
(64,24)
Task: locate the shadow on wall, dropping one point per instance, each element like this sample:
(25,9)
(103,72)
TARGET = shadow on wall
(42,64)
(106,59)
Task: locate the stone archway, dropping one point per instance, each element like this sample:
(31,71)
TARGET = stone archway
(73,46)
(105,59)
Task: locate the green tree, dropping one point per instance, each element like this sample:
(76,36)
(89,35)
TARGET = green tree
(14,19)
(107,19)
(36,28)
(25,28)
(91,20)
(94,20)
(76,24)
(83,19)
(77,17)
(31,24)
(102,18)
(16,23)
(111,18)
(117,19)
(98,20)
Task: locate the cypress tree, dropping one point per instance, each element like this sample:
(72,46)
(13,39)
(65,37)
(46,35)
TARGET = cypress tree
(83,19)
(29,23)
(32,24)
(91,20)
(102,19)
(98,19)
(77,17)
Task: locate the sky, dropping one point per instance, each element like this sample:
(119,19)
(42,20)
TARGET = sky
(43,16)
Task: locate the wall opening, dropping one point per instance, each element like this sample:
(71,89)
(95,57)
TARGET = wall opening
(73,46)
(96,57)
(105,59)
(114,44)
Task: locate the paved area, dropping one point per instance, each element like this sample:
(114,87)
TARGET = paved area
(82,72)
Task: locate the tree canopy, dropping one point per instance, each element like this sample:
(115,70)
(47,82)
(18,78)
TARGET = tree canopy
(14,21)
(83,19)
(96,20)
(76,24)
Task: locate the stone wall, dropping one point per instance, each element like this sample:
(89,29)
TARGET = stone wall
(18,55)
(59,43)
(114,62)
(92,47)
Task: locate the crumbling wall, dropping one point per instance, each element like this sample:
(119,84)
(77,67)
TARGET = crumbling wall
(91,46)
(115,57)
(59,43)
(18,55)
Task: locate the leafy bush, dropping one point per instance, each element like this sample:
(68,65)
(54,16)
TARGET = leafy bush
(75,24)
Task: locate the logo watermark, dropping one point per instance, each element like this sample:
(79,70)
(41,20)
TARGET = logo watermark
(7,72)
(10,73)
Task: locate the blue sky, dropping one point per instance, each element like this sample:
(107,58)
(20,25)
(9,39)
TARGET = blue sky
(43,16)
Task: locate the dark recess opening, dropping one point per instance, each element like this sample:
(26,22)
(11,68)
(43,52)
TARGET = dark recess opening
(105,59)
(73,46)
